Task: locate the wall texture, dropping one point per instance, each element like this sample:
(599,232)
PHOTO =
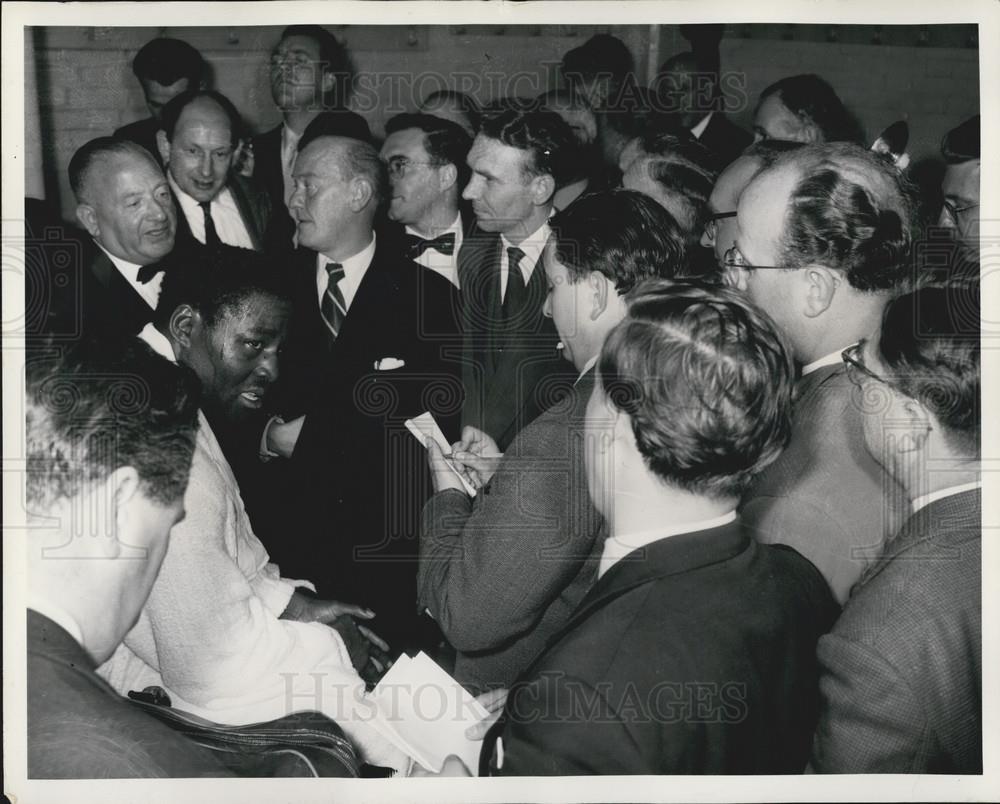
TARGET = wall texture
(86,88)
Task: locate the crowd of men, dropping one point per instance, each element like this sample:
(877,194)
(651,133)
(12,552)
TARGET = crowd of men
(712,503)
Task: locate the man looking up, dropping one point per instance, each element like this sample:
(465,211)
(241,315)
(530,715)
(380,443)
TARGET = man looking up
(503,572)
(200,134)
(822,243)
(425,159)
(165,68)
(518,159)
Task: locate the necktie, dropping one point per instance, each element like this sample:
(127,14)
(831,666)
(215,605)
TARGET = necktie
(514,297)
(211,236)
(148,272)
(333,307)
(415,245)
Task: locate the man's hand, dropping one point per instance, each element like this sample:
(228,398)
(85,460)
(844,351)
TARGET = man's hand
(479,454)
(442,475)
(307,609)
(369,652)
(452,766)
(493,702)
(283,436)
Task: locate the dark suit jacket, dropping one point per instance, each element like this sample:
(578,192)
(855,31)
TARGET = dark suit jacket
(268,176)
(724,139)
(509,371)
(255,209)
(825,495)
(144,133)
(358,478)
(502,573)
(697,657)
(80,728)
(902,671)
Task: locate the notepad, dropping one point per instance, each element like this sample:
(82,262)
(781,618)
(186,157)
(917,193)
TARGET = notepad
(424,712)
(423,427)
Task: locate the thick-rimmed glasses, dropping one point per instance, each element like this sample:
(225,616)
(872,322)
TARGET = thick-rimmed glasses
(733,258)
(857,371)
(712,224)
(398,165)
(954,212)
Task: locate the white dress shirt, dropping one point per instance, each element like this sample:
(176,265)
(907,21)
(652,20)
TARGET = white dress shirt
(229,224)
(926,499)
(532,247)
(699,129)
(620,545)
(444,264)
(289,149)
(355,269)
(150,291)
(827,360)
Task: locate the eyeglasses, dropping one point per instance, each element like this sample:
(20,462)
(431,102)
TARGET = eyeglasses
(733,258)
(712,224)
(398,165)
(954,212)
(857,371)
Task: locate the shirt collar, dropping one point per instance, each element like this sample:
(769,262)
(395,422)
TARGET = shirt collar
(191,205)
(926,499)
(158,342)
(589,365)
(355,265)
(827,360)
(699,129)
(532,245)
(129,270)
(455,228)
(58,615)
(620,545)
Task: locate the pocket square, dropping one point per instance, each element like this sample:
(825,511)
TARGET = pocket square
(389,363)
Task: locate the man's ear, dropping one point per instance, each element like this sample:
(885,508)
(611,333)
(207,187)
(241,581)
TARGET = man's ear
(88,219)
(821,285)
(447,177)
(163,146)
(542,189)
(185,322)
(361,193)
(921,423)
(328,82)
(122,488)
(601,286)
(810,131)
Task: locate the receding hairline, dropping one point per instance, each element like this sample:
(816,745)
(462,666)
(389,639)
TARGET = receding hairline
(107,156)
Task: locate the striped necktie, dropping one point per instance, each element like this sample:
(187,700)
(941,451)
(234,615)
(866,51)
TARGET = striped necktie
(211,235)
(333,307)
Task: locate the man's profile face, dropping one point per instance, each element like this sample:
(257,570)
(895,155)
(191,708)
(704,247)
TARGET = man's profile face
(297,78)
(569,305)
(775,121)
(415,184)
(236,356)
(721,235)
(320,201)
(500,189)
(159,95)
(960,187)
(201,152)
(132,210)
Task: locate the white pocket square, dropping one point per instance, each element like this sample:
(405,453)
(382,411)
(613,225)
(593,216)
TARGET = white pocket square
(389,363)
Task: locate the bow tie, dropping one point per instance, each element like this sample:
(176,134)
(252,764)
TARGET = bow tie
(415,245)
(147,272)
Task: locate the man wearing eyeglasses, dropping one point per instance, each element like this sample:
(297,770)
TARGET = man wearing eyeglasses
(822,242)
(425,158)
(960,149)
(901,673)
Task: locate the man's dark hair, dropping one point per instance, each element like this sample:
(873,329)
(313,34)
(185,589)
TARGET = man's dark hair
(175,107)
(446,143)
(545,135)
(332,55)
(685,170)
(849,210)
(167,61)
(217,282)
(930,343)
(706,380)
(88,156)
(622,234)
(103,405)
(338,123)
(664,84)
(469,106)
(601,55)
(962,143)
(814,100)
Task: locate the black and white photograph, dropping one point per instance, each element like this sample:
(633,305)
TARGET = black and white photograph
(556,401)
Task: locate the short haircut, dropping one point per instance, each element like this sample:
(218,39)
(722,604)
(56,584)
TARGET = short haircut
(217,282)
(468,105)
(813,99)
(333,57)
(103,405)
(684,170)
(356,159)
(850,210)
(176,106)
(962,143)
(622,234)
(91,153)
(707,383)
(336,123)
(446,143)
(167,61)
(552,147)
(601,55)
(930,343)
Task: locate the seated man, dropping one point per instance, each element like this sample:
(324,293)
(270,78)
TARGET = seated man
(901,673)
(694,653)
(86,587)
(503,572)
(223,633)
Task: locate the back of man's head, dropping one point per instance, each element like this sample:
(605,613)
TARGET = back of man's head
(104,405)
(621,234)
(175,108)
(813,100)
(603,55)
(706,382)
(446,143)
(167,61)
(850,210)
(546,138)
(962,143)
(453,105)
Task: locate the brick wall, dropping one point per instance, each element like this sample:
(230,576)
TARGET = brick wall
(86,87)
